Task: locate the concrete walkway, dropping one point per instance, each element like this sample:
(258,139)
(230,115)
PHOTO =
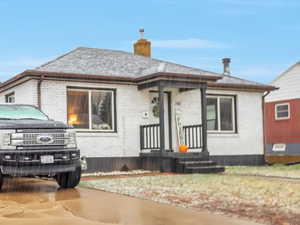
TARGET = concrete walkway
(37,202)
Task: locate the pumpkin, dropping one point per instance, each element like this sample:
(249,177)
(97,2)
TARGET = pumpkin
(183,148)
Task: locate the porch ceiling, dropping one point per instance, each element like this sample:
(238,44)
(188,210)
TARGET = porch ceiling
(182,81)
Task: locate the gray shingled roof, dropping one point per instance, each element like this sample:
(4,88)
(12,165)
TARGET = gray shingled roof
(106,62)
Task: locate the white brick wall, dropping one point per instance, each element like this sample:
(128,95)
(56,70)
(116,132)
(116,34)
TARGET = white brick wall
(24,93)
(130,106)
(249,139)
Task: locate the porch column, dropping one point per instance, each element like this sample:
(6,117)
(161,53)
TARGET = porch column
(204,119)
(161,123)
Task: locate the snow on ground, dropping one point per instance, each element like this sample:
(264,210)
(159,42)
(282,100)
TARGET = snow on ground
(272,201)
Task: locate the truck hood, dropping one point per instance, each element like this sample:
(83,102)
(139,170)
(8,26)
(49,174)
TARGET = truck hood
(23,124)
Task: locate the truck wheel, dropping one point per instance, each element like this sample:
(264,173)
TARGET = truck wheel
(69,179)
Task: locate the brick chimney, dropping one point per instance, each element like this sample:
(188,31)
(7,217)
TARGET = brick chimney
(226,63)
(142,46)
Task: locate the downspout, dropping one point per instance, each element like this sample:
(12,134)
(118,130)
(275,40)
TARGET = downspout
(263,114)
(39,92)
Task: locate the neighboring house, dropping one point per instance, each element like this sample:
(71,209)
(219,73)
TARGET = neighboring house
(124,104)
(282,118)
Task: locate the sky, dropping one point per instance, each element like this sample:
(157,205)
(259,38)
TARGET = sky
(260,36)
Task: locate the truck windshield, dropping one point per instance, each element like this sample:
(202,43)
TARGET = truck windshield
(21,112)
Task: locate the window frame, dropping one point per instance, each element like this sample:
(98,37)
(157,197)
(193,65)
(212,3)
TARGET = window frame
(113,110)
(7,96)
(289,111)
(234,114)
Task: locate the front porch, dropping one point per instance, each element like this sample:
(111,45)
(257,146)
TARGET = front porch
(159,151)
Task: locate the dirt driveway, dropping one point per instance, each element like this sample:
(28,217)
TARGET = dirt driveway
(38,202)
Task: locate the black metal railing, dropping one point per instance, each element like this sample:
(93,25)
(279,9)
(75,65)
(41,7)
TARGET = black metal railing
(150,137)
(193,136)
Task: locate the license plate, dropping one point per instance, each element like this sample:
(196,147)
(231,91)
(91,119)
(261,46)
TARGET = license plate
(47,159)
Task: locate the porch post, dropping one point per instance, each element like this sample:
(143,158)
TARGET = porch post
(161,123)
(204,119)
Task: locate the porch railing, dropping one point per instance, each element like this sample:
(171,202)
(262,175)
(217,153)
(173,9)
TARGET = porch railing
(193,136)
(150,137)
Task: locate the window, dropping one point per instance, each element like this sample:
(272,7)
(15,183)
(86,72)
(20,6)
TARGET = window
(221,113)
(91,109)
(282,111)
(10,98)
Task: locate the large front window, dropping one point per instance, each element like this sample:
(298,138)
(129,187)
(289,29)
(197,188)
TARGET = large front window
(91,109)
(221,113)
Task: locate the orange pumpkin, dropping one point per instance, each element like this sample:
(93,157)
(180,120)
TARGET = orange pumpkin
(183,148)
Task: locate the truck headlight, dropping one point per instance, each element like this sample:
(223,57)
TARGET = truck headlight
(71,138)
(5,140)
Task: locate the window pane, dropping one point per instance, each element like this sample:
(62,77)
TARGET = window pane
(78,109)
(282,108)
(226,114)
(282,114)
(102,110)
(212,114)
(10,98)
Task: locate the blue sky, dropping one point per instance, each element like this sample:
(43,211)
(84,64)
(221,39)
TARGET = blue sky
(261,36)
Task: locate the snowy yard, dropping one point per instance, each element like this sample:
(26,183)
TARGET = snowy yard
(292,171)
(271,201)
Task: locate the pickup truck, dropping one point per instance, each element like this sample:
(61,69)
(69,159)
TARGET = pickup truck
(31,144)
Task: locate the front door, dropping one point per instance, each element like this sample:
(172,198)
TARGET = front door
(154,114)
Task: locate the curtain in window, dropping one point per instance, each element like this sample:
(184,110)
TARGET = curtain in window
(78,109)
(102,110)
(226,114)
(212,114)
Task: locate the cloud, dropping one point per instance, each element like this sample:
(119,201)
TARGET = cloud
(187,43)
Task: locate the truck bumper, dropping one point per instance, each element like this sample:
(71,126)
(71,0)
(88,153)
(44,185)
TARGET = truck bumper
(28,163)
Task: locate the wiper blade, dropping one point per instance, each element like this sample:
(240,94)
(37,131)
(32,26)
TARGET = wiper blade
(5,118)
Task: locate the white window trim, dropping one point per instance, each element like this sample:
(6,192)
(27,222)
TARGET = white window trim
(219,115)
(282,118)
(9,96)
(113,130)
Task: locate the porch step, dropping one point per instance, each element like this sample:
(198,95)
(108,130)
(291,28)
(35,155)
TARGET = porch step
(197,163)
(190,159)
(207,169)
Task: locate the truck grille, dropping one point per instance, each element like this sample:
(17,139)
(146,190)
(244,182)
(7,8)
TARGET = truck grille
(32,138)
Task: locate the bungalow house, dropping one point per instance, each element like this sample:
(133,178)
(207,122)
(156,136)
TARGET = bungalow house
(133,111)
(282,118)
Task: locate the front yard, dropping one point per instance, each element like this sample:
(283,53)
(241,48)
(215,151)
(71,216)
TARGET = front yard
(270,201)
(292,171)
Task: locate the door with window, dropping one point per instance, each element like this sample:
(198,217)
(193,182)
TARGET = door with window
(154,114)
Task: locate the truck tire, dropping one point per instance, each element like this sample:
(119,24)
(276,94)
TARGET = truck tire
(69,179)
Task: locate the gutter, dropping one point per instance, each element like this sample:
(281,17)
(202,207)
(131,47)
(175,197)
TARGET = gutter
(263,120)
(39,92)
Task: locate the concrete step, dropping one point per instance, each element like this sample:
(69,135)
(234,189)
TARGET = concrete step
(207,169)
(198,163)
(190,159)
